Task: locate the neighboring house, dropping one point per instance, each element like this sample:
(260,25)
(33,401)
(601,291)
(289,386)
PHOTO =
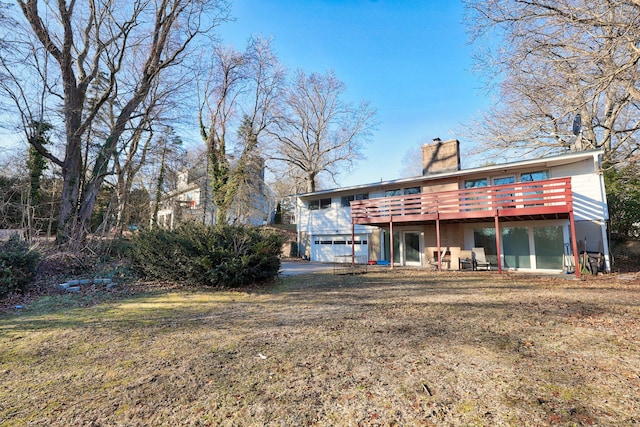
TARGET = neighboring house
(188,201)
(547,211)
(191,201)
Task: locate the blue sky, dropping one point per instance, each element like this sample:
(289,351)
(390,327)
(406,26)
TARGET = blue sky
(409,58)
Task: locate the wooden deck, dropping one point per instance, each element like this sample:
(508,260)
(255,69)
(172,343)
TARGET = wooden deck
(548,199)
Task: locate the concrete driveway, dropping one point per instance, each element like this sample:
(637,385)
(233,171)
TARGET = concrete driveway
(293,268)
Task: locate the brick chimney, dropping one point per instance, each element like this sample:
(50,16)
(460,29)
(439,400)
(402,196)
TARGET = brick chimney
(441,156)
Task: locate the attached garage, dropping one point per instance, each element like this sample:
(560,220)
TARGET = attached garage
(338,248)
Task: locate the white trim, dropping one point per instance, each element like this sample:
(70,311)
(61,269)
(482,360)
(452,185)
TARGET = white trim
(504,168)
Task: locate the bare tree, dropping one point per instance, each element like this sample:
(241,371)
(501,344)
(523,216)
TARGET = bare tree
(412,162)
(317,132)
(140,143)
(69,45)
(549,60)
(166,150)
(238,103)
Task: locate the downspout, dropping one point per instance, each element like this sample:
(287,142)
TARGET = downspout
(605,215)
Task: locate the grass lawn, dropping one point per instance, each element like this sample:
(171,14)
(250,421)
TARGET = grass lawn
(385,348)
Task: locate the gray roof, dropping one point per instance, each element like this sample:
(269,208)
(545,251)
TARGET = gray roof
(549,161)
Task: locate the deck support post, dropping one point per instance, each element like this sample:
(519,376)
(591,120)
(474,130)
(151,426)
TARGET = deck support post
(574,241)
(438,241)
(391,255)
(498,241)
(353,244)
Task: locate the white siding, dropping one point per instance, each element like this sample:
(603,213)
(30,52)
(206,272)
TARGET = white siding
(333,220)
(589,198)
(331,248)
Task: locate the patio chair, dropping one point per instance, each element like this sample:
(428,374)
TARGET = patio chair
(443,257)
(465,260)
(480,260)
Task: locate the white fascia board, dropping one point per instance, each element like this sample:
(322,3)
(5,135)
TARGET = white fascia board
(522,164)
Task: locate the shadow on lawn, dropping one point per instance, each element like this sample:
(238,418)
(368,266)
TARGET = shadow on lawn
(427,302)
(384,334)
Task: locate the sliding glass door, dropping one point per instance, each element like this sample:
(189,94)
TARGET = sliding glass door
(526,246)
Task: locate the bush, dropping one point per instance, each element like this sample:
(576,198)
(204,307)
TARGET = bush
(225,256)
(18,265)
(66,264)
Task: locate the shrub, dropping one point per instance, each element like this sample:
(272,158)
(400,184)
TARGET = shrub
(66,264)
(17,265)
(225,256)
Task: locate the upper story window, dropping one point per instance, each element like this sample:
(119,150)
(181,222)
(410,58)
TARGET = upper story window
(534,176)
(510,179)
(320,204)
(475,183)
(504,180)
(403,191)
(347,199)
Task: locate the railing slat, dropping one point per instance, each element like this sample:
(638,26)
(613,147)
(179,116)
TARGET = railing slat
(522,195)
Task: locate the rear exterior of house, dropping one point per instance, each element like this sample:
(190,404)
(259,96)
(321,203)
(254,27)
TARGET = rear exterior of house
(531,215)
(191,200)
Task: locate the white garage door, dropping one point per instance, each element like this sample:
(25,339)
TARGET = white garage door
(338,248)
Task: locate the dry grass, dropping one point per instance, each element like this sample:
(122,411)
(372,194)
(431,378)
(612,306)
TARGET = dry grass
(386,348)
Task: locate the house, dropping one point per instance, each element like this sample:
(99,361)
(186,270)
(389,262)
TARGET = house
(545,215)
(188,201)
(191,200)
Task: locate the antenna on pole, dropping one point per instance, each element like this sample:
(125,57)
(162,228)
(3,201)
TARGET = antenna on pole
(577,125)
(577,131)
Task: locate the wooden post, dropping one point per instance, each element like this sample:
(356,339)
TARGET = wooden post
(391,240)
(498,241)
(574,242)
(438,241)
(353,244)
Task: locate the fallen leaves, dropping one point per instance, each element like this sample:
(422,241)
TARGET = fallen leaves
(394,348)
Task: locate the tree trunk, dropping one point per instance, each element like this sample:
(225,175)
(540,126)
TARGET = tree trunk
(311,182)
(71,173)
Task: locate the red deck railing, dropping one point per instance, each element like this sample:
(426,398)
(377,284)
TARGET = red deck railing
(551,196)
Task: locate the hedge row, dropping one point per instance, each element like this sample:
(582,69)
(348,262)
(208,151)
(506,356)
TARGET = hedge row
(221,256)
(18,265)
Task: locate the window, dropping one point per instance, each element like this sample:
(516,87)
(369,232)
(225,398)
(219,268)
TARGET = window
(475,202)
(347,199)
(403,191)
(325,203)
(475,183)
(504,180)
(357,242)
(531,177)
(412,190)
(314,205)
(534,176)
(503,198)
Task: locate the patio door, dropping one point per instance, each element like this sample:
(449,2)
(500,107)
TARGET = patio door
(408,247)
(413,248)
